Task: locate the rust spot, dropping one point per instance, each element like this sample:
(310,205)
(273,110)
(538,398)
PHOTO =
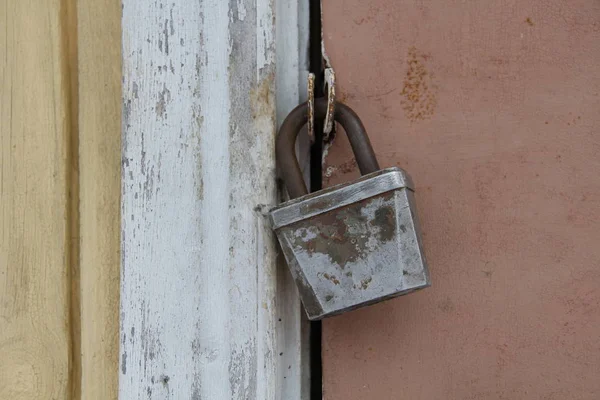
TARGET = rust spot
(446,305)
(360,21)
(262,97)
(348,233)
(418,92)
(529,21)
(311,107)
(365,283)
(385,218)
(342,97)
(331,278)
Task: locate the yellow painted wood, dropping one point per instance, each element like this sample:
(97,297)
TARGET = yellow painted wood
(60,128)
(34,182)
(99,99)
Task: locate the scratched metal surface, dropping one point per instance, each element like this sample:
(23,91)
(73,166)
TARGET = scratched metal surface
(357,254)
(340,195)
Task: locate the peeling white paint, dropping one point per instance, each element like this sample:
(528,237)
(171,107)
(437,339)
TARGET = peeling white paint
(265,43)
(292,72)
(330,170)
(324,155)
(201,294)
(327,62)
(241,10)
(324,53)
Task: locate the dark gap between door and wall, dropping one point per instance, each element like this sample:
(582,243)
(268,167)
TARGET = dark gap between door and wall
(316,183)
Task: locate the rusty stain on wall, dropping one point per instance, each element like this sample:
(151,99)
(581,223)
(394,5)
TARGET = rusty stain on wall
(261,97)
(418,90)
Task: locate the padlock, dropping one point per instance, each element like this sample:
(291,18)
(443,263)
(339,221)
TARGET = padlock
(353,244)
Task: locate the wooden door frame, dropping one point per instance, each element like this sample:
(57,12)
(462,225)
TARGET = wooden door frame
(206,311)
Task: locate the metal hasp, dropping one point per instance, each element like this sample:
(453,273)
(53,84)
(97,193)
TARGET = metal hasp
(353,244)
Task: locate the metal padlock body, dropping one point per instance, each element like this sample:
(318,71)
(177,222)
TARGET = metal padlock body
(353,244)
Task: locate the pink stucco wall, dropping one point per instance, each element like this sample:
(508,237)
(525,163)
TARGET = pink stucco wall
(494,109)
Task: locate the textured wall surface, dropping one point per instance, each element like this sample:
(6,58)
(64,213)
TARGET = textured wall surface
(493,109)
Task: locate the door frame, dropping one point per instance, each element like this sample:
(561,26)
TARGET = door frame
(207,311)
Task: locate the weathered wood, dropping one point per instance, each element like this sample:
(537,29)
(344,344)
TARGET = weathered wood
(35,156)
(59,196)
(199,307)
(99,110)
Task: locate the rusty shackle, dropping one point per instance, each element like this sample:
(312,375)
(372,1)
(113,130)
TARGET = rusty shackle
(297,118)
